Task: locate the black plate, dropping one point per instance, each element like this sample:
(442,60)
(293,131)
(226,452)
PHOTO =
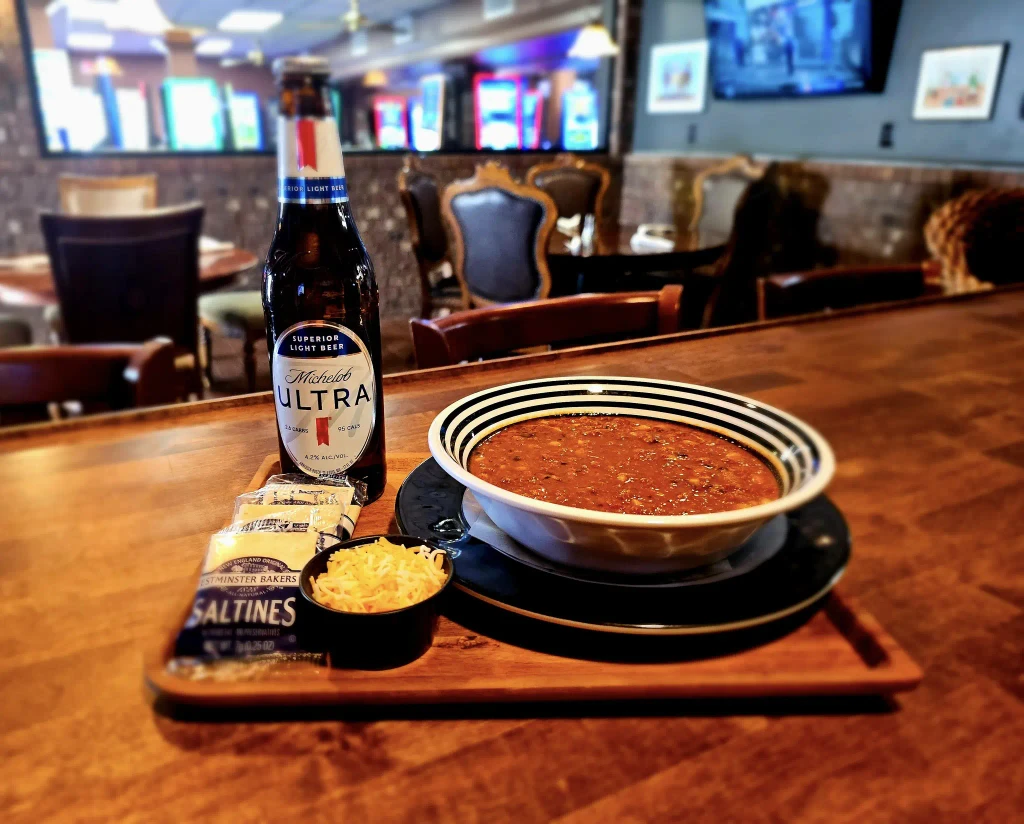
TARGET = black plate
(812,557)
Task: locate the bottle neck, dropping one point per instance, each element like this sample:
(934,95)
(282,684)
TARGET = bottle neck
(310,167)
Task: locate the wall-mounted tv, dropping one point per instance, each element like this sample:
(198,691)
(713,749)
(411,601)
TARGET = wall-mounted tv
(792,48)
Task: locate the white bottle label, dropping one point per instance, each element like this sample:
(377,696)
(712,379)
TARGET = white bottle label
(324,395)
(310,168)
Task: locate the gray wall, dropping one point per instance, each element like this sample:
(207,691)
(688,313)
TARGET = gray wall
(849,126)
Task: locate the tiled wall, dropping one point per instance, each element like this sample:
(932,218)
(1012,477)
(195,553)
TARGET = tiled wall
(867,212)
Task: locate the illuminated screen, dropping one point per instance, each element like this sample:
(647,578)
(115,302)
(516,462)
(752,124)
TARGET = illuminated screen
(531,120)
(246,124)
(389,115)
(427,132)
(195,119)
(498,113)
(579,119)
(134,116)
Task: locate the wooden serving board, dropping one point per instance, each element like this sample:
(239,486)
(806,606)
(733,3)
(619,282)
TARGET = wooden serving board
(842,650)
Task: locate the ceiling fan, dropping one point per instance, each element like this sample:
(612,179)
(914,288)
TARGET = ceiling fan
(351,22)
(256,57)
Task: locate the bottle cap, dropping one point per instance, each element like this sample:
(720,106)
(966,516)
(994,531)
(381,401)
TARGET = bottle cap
(301,64)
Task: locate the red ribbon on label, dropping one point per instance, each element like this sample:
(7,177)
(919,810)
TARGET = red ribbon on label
(305,139)
(323,432)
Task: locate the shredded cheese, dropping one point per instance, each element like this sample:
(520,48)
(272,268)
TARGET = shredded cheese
(379,577)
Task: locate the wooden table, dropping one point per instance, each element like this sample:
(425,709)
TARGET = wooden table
(34,286)
(613,262)
(105,521)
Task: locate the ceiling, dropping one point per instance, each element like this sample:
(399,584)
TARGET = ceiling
(291,35)
(306,25)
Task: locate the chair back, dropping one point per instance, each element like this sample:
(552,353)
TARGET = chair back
(577,187)
(717,192)
(106,196)
(127,278)
(499,233)
(99,376)
(421,197)
(801,293)
(575,320)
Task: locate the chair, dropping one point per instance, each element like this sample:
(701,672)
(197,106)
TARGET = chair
(106,196)
(14,332)
(234,315)
(801,293)
(576,186)
(979,239)
(499,232)
(99,376)
(717,192)
(421,198)
(129,278)
(498,330)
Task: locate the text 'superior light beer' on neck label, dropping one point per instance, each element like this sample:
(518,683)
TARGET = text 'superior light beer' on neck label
(310,167)
(324,393)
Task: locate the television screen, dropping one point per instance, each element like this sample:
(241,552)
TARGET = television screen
(782,48)
(390,118)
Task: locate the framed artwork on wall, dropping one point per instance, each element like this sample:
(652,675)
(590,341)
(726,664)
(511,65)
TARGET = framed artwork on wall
(958,83)
(678,77)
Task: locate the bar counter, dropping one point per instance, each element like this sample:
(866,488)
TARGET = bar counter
(104,522)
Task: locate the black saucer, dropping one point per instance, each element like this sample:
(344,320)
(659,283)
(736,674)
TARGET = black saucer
(811,558)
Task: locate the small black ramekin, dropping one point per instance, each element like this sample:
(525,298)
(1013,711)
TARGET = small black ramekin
(375,640)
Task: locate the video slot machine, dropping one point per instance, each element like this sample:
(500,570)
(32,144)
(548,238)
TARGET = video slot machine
(427,114)
(498,111)
(579,118)
(390,120)
(533,111)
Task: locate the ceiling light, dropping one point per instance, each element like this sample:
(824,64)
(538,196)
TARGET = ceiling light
(374,79)
(594,41)
(90,41)
(249,21)
(92,11)
(142,16)
(213,47)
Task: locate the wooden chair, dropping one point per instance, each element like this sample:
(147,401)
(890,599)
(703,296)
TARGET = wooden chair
(421,197)
(717,192)
(575,320)
(801,293)
(499,231)
(98,376)
(576,186)
(106,196)
(130,278)
(979,239)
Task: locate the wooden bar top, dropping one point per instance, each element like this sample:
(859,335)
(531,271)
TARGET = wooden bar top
(104,522)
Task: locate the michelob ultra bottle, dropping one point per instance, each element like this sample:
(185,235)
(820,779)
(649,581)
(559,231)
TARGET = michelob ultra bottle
(320,297)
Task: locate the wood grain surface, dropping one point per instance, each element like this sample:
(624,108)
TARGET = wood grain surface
(841,650)
(102,527)
(34,286)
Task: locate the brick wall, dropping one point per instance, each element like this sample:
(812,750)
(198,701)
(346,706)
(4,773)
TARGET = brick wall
(867,212)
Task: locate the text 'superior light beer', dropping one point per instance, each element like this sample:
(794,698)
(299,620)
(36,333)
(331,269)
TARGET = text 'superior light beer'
(320,297)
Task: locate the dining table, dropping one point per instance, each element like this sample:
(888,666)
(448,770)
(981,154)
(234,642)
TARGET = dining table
(32,284)
(106,518)
(612,261)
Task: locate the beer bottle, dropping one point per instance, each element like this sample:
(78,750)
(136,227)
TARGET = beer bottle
(320,297)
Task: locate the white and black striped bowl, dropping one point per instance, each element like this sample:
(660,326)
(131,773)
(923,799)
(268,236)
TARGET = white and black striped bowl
(612,541)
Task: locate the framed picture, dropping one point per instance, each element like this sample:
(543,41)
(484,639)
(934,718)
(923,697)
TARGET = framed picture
(678,77)
(958,83)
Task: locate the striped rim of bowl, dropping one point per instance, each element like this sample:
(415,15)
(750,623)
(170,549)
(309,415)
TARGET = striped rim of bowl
(799,455)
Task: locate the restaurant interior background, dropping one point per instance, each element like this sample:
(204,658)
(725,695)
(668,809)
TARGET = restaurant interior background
(866,172)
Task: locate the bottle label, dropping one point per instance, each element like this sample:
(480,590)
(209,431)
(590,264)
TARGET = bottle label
(324,395)
(309,164)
